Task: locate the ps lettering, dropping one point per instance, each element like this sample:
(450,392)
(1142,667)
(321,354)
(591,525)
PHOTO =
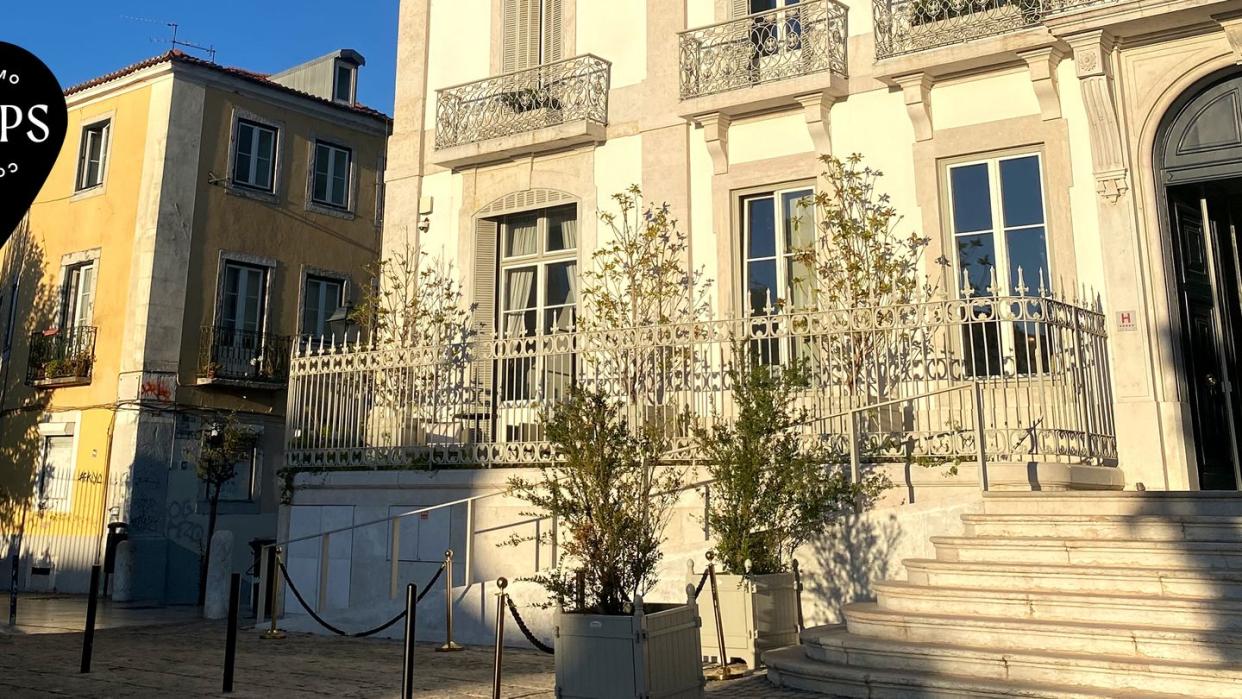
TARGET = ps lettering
(12,118)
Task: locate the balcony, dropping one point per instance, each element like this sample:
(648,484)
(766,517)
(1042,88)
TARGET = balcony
(548,107)
(907,26)
(1041,365)
(243,358)
(774,55)
(61,357)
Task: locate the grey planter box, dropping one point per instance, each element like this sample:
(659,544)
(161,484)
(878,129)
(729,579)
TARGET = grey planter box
(758,613)
(653,654)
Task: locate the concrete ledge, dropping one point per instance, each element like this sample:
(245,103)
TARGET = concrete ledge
(549,138)
(1054,477)
(765,96)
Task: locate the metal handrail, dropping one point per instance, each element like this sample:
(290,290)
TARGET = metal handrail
(542,66)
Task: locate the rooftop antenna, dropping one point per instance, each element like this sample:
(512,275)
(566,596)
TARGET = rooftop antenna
(209,50)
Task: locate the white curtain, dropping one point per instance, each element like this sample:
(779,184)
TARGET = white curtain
(569,230)
(520,282)
(523,239)
(565,321)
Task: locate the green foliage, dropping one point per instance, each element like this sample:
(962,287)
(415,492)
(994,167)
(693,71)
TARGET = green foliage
(641,275)
(772,491)
(415,301)
(610,497)
(224,446)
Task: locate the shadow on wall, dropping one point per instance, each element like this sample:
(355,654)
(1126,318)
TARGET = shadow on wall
(842,566)
(28,302)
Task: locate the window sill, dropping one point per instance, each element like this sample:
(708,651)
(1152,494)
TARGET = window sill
(329,210)
(89,192)
(256,194)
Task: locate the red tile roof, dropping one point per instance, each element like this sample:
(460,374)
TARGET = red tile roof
(176,56)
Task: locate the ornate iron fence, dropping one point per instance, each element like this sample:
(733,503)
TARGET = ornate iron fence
(241,355)
(783,43)
(66,356)
(524,100)
(906,26)
(1041,361)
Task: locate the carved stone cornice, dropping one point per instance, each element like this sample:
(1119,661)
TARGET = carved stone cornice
(817,109)
(1092,54)
(1231,22)
(1042,64)
(716,134)
(916,88)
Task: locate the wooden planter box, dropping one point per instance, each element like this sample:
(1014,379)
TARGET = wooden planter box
(758,613)
(653,654)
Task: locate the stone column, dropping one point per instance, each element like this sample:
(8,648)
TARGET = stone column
(1141,419)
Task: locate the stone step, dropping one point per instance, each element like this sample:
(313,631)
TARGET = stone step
(1124,676)
(790,667)
(1148,527)
(1219,615)
(1109,580)
(1137,642)
(1089,552)
(1096,502)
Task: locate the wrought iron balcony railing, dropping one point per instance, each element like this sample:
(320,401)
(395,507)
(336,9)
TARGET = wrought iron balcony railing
(240,355)
(784,43)
(906,26)
(547,95)
(63,357)
(1042,364)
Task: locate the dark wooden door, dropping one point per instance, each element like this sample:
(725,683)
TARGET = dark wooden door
(1205,277)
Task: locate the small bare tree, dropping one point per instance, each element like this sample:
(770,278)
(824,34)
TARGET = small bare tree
(224,445)
(863,268)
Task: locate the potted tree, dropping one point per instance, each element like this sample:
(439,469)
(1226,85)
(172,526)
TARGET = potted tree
(772,489)
(612,501)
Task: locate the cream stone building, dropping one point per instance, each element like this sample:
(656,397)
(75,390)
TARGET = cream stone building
(1076,164)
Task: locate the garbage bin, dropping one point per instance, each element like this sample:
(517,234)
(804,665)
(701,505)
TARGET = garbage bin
(256,554)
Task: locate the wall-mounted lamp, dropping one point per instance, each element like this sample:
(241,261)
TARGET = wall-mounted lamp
(424,225)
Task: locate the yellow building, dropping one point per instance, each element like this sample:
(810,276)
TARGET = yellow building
(199,221)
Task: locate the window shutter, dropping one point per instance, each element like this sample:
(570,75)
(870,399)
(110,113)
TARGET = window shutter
(553,22)
(521,42)
(486,235)
(739,8)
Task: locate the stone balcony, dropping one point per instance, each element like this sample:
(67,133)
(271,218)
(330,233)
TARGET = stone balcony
(764,60)
(548,107)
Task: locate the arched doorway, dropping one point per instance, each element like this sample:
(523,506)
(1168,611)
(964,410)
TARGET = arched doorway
(1199,158)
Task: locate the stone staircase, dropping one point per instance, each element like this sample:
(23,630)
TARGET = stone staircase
(1069,594)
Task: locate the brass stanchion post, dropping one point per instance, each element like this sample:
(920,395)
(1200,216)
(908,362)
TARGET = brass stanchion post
(797,575)
(500,636)
(449,645)
(273,633)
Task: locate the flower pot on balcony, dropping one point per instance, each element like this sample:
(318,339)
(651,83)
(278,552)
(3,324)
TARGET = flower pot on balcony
(757,612)
(652,653)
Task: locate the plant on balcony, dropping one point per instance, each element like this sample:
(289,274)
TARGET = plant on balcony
(612,500)
(75,365)
(211,369)
(224,444)
(417,306)
(771,492)
(640,279)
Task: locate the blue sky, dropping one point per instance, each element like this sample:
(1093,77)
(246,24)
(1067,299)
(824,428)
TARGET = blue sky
(81,39)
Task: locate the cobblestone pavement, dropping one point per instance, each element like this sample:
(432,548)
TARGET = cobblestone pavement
(186,659)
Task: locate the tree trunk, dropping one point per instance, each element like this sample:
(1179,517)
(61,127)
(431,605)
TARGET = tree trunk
(211,530)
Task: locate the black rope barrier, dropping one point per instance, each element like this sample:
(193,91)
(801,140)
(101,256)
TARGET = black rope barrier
(361,634)
(517,618)
(699,587)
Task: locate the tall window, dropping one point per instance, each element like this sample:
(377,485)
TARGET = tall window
(332,174)
(775,226)
(77,303)
(242,486)
(343,87)
(532,33)
(93,154)
(254,156)
(242,305)
(538,296)
(1001,246)
(55,483)
(320,299)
